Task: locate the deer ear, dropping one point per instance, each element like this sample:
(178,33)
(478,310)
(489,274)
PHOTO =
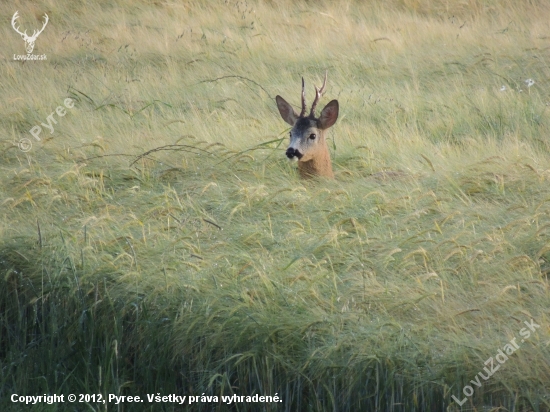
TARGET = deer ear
(329,115)
(287,112)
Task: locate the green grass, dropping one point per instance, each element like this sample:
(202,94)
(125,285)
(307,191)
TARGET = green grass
(159,241)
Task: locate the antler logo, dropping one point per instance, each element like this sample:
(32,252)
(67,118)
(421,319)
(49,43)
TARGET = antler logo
(29,40)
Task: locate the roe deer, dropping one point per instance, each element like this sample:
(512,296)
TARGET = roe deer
(307,136)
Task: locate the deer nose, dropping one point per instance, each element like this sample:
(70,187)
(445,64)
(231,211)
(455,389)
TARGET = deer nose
(291,152)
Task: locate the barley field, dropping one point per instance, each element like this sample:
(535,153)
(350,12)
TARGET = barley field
(156,242)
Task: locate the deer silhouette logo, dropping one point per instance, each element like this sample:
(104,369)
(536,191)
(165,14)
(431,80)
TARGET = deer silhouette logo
(29,40)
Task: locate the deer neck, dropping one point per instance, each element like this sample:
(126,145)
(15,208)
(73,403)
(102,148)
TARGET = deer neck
(319,165)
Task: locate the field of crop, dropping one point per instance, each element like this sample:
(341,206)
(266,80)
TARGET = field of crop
(155,240)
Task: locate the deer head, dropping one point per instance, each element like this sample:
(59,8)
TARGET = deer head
(29,40)
(307,136)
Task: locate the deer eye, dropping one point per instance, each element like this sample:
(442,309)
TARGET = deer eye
(312,136)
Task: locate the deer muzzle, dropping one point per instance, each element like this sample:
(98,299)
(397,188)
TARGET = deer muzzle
(292,152)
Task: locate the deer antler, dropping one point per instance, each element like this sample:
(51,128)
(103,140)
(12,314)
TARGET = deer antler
(303,99)
(47,19)
(24,34)
(318,93)
(15,17)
